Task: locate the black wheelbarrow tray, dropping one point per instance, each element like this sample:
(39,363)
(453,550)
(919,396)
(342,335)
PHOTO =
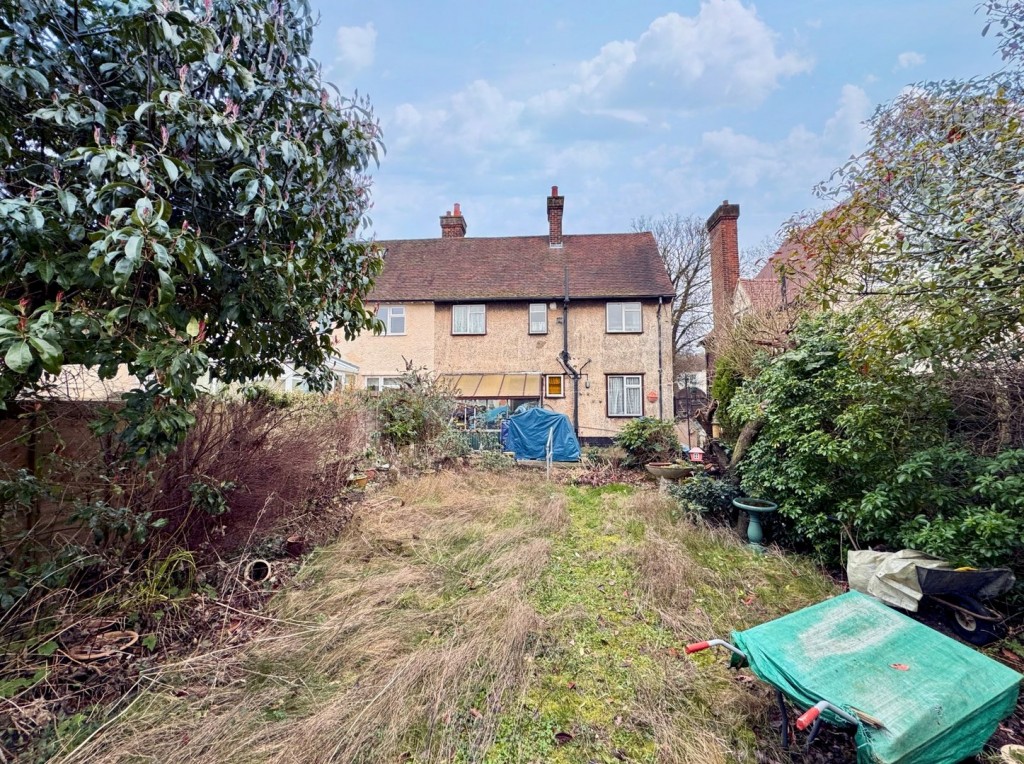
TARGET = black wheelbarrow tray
(913,695)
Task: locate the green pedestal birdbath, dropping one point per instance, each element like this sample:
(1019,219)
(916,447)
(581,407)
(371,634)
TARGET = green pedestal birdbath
(754,509)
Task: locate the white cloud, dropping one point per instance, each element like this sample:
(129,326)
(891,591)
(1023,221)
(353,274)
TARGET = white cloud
(801,158)
(909,59)
(356,47)
(725,54)
(846,127)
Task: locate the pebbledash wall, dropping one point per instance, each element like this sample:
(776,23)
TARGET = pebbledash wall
(507,347)
(388,355)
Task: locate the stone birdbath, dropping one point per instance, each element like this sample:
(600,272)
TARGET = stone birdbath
(755,508)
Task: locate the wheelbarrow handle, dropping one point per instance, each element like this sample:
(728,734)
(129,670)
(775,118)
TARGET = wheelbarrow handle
(806,719)
(696,647)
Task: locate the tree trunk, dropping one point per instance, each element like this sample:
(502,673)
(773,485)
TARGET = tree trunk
(719,457)
(746,439)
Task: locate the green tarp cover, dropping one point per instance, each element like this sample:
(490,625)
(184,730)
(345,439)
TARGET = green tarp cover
(939,699)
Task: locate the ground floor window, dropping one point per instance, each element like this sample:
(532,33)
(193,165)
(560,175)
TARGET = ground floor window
(625,395)
(383,383)
(553,386)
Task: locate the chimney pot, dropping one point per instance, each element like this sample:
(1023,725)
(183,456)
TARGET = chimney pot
(453,226)
(554,190)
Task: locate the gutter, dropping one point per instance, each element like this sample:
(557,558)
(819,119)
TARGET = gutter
(563,359)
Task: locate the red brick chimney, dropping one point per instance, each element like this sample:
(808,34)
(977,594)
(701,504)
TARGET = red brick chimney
(556,204)
(453,225)
(725,261)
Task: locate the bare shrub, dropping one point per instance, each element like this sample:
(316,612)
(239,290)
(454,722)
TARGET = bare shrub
(266,458)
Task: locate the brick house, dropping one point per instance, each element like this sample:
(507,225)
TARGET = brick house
(775,287)
(580,324)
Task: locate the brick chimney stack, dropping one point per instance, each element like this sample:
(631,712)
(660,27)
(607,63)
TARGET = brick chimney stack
(453,225)
(556,204)
(725,261)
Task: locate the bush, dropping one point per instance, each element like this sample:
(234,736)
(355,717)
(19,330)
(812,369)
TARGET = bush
(417,411)
(861,442)
(954,504)
(710,497)
(496,461)
(726,383)
(648,440)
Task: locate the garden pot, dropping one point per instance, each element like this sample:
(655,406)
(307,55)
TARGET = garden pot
(358,480)
(670,470)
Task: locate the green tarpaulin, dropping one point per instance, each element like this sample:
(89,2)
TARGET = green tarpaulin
(938,699)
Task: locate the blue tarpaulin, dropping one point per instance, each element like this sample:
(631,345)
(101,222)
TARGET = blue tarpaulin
(527,436)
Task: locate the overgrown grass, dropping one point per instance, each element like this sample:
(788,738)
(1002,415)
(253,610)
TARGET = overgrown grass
(480,617)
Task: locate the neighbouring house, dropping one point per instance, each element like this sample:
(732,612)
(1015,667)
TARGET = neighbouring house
(774,288)
(580,324)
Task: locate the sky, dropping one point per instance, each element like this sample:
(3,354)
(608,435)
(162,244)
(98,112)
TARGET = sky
(631,109)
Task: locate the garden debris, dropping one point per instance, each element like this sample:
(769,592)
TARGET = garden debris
(103,646)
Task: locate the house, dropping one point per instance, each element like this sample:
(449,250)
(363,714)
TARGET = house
(580,324)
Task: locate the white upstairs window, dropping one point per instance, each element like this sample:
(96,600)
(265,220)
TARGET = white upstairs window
(469,319)
(623,317)
(538,318)
(393,317)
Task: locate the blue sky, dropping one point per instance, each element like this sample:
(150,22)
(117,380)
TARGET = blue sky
(639,108)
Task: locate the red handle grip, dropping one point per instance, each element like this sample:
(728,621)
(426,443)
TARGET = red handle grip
(806,719)
(696,647)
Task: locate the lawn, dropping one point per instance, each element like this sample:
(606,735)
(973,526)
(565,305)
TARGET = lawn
(481,617)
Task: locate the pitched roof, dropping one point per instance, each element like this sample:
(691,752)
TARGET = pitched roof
(763,293)
(522,267)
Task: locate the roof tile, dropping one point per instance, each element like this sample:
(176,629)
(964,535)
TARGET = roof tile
(522,267)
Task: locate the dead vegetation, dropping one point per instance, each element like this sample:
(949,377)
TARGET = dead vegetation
(484,617)
(402,642)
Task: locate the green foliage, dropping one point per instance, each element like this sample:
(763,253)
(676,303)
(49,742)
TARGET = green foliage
(835,427)
(209,497)
(708,495)
(496,461)
(726,383)
(647,439)
(949,502)
(451,444)
(179,194)
(926,218)
(417,411)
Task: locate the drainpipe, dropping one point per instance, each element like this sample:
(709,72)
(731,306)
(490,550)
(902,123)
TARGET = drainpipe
(564,360)
(661,398)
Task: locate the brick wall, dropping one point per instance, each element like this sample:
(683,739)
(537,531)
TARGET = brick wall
(725,261)
(556,206)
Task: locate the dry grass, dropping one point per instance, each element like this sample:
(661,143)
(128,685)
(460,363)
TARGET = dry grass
(473,617)
(702,582)
(406,638)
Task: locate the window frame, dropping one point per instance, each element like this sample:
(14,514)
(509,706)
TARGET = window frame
(608,394)
(389,310)
(381,386)
(529,315)
(469,312)
(561,385)
(622,306)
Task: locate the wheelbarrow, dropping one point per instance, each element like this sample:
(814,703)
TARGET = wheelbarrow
(907,579)
(910,694)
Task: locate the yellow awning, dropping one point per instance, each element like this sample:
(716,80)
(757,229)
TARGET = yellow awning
(494,385)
